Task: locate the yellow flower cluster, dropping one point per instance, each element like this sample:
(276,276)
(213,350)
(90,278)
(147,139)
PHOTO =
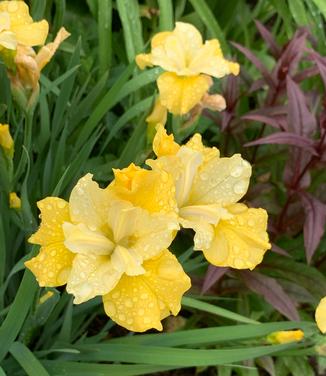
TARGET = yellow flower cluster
(113,242)
(189,65)
(18,34)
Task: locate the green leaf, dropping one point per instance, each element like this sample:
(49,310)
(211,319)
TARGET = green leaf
(132,29)
(208,18)
(206,307)
(166,15)
(17,313)
(321,4)
(27,360)
(104,35)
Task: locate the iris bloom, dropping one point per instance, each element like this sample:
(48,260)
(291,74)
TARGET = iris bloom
(17,26)
(14,201)
(101,246)
(189,65)
(208,189)
(320,315)
(6,141)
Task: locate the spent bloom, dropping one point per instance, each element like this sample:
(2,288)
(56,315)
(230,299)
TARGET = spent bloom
(103,246)
(18,35)
(189,65)
(320,315)
(207,191)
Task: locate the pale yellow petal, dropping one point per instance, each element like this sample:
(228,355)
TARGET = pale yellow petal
(144,60)
(139,303)
(91,276)
(221,181)
(4,21)
(159,38)
(209,60)
(80,239)
(8,40)
(89,203)
(179,94)
(204,232)
(164,144)
(183,168)
(127,260)
(52,265)
(150,190)
(320,315)
(153,233)
(46,52)
(54,212)
(195,143)
(33,34)
(240,242)
(158,114)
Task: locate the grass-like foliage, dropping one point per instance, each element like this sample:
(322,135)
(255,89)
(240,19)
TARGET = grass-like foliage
(89,114)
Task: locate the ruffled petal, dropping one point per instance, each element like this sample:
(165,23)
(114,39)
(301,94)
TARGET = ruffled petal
(222,181)
(183,168)
(151,190)
(33,34)
(54,212)
(52,265)
(91,276)
(164,144)
(179,94)
(240,242)
(89,203)
(140,303)
(195,143)
(320,315)
(209,60)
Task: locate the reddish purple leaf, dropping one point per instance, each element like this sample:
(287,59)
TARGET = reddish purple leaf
(269,39)
(300,120)
(213,275)
(273,293)
(280,251)
(291,55)
(262,119)
(314,225)
(286,138)
(258,64)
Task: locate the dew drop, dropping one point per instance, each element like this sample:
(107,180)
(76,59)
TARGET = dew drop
(239,188)
(237,171)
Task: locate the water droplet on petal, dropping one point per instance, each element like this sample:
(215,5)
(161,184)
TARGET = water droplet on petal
(239,188)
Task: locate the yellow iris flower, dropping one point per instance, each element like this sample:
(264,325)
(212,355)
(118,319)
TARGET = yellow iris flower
(6,141)
(189,65)
(320,315)
(207,191)
(103,246)
(17,26)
